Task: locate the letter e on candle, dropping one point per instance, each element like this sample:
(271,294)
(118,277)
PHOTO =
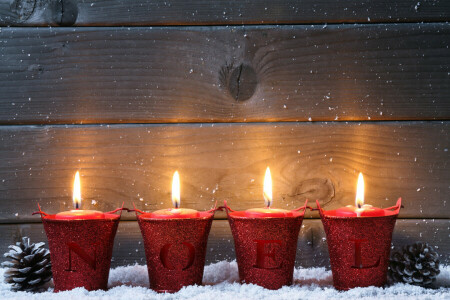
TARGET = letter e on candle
(266,249)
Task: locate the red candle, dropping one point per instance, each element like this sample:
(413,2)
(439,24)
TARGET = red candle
(172,213)
(267,212)
(176,212)
(361,209)
(78,214)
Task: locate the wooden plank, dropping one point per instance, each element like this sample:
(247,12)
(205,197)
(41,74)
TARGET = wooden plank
(201,74)
(195,12)
(312,248)
(217,162)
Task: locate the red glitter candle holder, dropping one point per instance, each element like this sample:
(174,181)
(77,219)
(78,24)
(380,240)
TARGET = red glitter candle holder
(81,250)
(175,249)
(359,247)
(265,247)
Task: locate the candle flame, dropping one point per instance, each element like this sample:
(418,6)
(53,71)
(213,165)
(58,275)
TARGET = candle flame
(267,192)
(76,197)
(176,189)
(359,201)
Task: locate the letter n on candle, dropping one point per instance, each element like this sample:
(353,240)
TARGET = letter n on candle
(74,247)
(263,253)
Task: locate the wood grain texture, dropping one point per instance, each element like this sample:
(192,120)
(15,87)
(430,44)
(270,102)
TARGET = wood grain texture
(195,12)
(312,248)
(217,162)
(182,74)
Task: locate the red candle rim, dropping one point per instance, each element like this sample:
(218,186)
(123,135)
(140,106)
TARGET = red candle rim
(389,212)
(333,214)
(107,217)
(152,216)
(242,214)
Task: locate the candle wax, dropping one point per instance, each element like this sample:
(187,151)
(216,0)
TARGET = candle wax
(79,214)
(268,212)
(365,211)
(173,213)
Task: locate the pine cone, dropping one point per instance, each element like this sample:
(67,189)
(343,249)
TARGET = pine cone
(416,264)
(29,267)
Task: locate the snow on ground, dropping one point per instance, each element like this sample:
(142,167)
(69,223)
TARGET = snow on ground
(221,283)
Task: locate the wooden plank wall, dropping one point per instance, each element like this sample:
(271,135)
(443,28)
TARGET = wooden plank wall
(205,12)
(129,91)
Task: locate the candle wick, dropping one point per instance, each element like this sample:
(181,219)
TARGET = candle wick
(76,205)
(359,205)
(176,205)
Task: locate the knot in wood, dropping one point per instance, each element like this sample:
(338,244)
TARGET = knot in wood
(241,81)
(65,12)
(23,8)
(36,68)
(315,188)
